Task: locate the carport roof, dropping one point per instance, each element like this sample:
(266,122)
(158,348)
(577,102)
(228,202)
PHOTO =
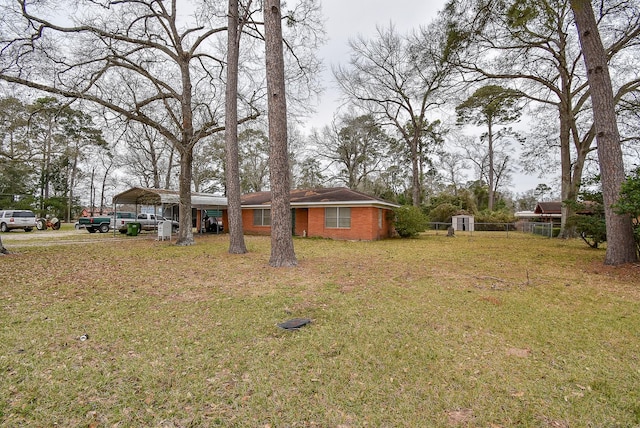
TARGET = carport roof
(148,196)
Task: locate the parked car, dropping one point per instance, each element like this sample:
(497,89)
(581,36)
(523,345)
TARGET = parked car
(17,219)
(149,222)
(102,224)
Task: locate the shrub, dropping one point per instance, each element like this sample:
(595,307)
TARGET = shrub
(443,212)
(543,229)
(463,202)
(589,222)
(493,220)
(629,202)
(592,228)
(409,221)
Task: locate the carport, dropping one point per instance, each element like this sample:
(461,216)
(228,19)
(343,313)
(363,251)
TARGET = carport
(169,200)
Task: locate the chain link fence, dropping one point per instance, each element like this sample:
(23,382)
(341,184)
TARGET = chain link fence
(506,229)
(550,230)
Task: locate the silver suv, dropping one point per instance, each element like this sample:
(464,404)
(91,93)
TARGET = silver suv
(17,219)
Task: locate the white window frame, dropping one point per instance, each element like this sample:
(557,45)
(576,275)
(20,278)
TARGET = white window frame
(341,219)
(262,217)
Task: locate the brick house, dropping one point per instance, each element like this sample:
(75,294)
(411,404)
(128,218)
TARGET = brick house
(335,213)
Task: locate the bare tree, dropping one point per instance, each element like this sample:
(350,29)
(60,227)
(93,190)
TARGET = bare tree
(356,146)
(453,164)
(282,251)
(148,157)
(166,77)
(108,163)
(81,135)
(398,79)
(254,160)
(310,173)
(620,243)
(208,165)
(491,105)
(535,48)
(478,155)
(46,137)
(16,154)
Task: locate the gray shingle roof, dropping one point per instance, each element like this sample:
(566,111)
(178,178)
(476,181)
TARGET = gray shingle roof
(548,208)
(322,196)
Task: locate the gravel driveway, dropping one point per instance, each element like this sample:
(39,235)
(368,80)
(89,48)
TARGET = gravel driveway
(19,238)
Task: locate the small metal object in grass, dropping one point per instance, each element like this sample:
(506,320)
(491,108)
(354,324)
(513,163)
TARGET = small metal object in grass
(294,324)
(83,337)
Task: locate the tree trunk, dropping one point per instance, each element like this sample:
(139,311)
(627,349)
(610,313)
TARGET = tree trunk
(72,181)
(415,167)
(185,233)
(566,183)
(282,251)
(234,206)
(620,244)
(153,157)
(104,186)
(3,250)
(167,179)
(92,192)
(491,175)
(186,143)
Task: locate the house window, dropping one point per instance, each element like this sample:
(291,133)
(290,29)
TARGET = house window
(262,217)
(337,217)
(379,218)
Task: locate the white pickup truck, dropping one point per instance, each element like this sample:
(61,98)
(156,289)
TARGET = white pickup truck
(146,221)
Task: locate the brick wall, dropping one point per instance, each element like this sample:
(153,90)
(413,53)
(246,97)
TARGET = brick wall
(364,224)
(250,228)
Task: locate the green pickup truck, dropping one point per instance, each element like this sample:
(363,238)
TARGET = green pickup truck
(103,224)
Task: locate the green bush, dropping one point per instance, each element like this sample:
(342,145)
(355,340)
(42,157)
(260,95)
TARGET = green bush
(590,222)
(493,221)
(409,221)
(629,202)
(543,230)
(443,212)
(463,201)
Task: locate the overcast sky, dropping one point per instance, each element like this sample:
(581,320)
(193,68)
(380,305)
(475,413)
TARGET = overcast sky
(345,19)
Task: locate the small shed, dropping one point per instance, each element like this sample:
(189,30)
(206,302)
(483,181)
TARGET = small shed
(462,223)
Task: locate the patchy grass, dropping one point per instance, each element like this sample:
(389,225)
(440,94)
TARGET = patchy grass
(479,330)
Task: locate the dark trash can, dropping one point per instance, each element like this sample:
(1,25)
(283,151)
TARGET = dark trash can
(133,229)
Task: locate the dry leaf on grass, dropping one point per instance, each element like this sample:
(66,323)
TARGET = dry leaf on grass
(461,416)
(519,352)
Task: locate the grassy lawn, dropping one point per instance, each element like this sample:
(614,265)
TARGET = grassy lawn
(482,331)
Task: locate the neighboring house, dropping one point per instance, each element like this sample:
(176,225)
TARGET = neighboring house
(545,212)
(336,213)
(88,212)
(550,212)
